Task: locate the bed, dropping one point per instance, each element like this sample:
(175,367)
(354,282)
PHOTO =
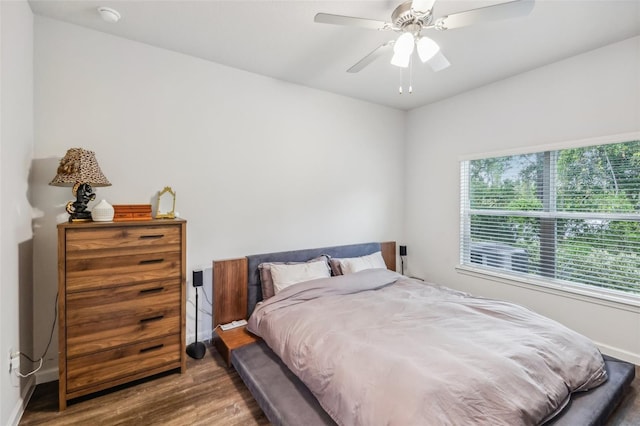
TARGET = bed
(286,400)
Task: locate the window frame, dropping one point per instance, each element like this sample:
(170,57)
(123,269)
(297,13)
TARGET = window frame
(592,293)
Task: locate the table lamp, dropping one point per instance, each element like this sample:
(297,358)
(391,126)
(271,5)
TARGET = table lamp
(79,169)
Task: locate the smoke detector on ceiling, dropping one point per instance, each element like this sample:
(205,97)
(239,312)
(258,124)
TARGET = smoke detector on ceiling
(108,14)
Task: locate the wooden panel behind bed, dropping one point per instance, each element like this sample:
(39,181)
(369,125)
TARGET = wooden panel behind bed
(388,250)
(229,290)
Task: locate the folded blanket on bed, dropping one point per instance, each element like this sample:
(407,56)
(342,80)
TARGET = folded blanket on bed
(377,348)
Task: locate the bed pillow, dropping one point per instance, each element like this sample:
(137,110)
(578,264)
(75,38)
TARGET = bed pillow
(349,265)
(266,278)
(287,275)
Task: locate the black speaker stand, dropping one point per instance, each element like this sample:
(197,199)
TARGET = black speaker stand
(196,349)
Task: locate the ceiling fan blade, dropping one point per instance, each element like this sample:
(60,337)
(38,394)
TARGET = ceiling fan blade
(375,54)
(422,6)
(438,62)
(511,9)
(327,18)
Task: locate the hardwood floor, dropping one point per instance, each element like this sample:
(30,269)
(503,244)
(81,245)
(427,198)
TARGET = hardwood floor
(207,394)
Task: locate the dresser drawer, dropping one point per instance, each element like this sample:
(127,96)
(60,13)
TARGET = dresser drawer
(123,237)
(102,367)
(98,272)
(106,318)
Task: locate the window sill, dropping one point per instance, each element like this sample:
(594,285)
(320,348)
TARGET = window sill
(598,296)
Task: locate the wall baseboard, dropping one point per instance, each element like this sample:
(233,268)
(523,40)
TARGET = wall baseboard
(21,404)
(46,376)
(619,353)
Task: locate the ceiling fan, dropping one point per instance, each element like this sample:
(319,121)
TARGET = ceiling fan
(411,18)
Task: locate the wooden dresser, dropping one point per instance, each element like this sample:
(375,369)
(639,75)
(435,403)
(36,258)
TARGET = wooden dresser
(121,303)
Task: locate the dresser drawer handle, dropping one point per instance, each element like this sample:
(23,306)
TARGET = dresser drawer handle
(150,261)
(151,348)
(148,237)
(156,318)
(151,290)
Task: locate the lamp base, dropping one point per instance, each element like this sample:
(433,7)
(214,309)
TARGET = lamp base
(75,219)
(196,350)
(78,209)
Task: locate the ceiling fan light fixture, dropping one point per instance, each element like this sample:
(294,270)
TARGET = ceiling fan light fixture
(402,50)
(404,44)
(427,48)
(401,61)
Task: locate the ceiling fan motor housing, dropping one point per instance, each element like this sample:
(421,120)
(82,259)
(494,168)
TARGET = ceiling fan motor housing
(404,15)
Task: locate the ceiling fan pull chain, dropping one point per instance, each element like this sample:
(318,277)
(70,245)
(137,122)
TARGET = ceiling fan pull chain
(411,75)
(400,87)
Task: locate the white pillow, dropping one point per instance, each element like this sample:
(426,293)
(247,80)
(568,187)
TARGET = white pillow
(286,275)
(351,265)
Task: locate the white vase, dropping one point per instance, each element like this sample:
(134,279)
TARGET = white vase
(102,212)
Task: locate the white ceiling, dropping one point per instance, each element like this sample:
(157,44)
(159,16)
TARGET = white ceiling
(279,39)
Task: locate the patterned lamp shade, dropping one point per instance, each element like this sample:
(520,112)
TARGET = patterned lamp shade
(79,169)
(79,166)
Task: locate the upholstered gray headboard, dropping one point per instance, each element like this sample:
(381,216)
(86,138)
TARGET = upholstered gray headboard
(254,294)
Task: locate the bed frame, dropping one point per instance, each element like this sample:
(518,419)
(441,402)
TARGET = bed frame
(285,400)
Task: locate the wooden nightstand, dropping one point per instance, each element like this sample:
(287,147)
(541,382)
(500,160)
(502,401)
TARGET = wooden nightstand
(232,339)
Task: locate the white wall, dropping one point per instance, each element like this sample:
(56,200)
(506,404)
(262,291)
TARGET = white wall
(591,95)
(258,165)
(16,148)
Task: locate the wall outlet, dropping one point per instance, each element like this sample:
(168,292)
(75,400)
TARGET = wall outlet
(14,361)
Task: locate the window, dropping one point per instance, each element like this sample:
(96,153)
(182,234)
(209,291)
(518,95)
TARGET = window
(566,216)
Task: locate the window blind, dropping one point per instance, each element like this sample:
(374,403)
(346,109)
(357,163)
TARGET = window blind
(569,215)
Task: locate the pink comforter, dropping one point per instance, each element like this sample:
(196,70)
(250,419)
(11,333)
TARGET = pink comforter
(377,348)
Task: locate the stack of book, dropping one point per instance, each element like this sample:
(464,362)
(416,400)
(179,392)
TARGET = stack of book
(123,212)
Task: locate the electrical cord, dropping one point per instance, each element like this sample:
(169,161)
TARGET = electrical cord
(46,349)
(207,297)
(210,313)
(200,309)
(31,372)
(208,301)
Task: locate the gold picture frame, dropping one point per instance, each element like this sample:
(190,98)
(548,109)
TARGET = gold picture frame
(166,204)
